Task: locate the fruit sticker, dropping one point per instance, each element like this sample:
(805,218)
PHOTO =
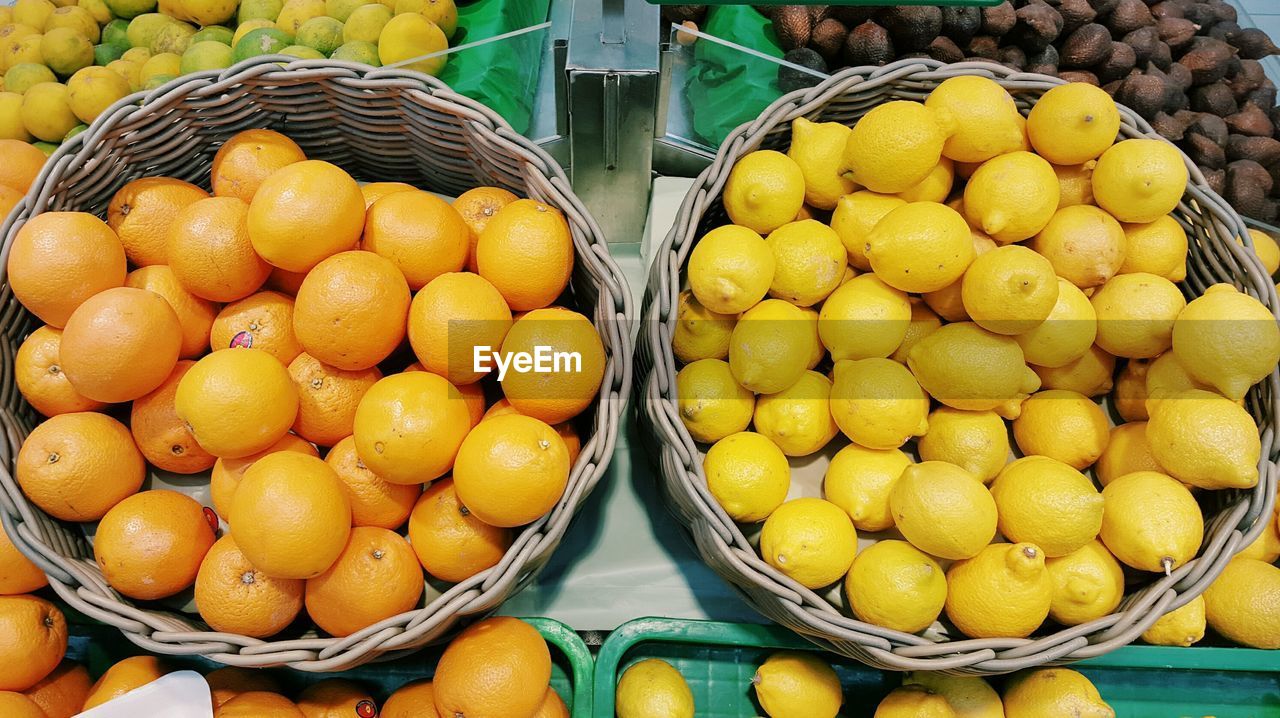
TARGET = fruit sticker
(242,340)
(366,709)
(211,517)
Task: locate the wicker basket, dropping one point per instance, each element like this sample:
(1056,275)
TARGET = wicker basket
(1214,257)
(378,125)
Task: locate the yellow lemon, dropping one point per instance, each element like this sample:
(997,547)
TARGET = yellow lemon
(1085,245)
(818,148)
(877,403)
(1127,451)
(923,322)
(712,405)
(895,146)
(936,187)
(365,23)
(1136,314)
(92,90)
(1066,334)
(797,684)
(798,418)
(410,36)
(809,261)
(1205,440)
(748,476)
(1140,180)
(652,688)
(817,352)
(1073,123)
(1267,546)
(1180,627)
(1053,692)
(1089,375)
(1150,521)
(1075,184)
(1265,247)
(943,510)
(130,71)
(976,441)
(1012,216)
(895,585)
(810,540)
(1063,425)
(20,50)
(11,127)
(771,345)
(1158,248)
(765,190)
(986,120)
(1013,572)
(65,51)
(864,318)
(968,696)
(948,302)
(1048,503)
(855,216)
(46,112)
(967,367)
(1243,604)
(75,18)
(1009,290)
(1227,339)
(859,480)
(1130,396)
(160,65)
(920,247)
(914,702)
(1165,375)
(730,269)
(699,332)
(1088,584)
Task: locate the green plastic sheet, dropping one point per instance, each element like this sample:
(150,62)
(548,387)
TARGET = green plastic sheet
(503,74)
(726,86)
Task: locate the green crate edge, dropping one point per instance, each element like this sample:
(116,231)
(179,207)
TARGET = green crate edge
(844,3)
(573,647)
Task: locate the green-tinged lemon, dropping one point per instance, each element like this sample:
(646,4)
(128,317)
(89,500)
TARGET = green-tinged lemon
(986,120)
(23,76)
(1151,522)
(1004,591)
(166,64)
(1204,440)
(877,403)
(207,55)
(365,53)
(249,26)
(138,55)
(712,405)
(366,23)
(130,9)
(943,510)
(296,12)
(443,13)
(895,146)
(976,441)
(1140,180)
(967,367)
(1180,627)
(798,418)
(855,216)
(859,480)
(1012,216)
(263,41)
(797,684)
(259,10)
(156,81)
(1073,123)
(104,54)
(765,190)
(810,540)
(652,688)
(214,33)
(174,37)
(341,10)
(920,247)
(818,148)
(748,476)
(1128,450)
(65,51)
(771,345)
(75,131)
(144,28)
(864,318)
(322,34)
(895,585)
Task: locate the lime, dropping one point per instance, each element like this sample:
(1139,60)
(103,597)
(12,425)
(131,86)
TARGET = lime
(174,37)
(130,9)
(78,129)
(66,51)
(116,32)
(48,148)
(105,54)
(144,28)
(365,53)
(411,36)
(75,18)
(263,41)
(25,75)
(157,80)
(340,10)
(366,23)
(259,10)
(163,64)
(302,52)
(323,34)
(207,55)
(214,33)
(98,9)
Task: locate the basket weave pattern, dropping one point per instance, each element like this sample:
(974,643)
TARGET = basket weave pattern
(1214,257)
(379,125)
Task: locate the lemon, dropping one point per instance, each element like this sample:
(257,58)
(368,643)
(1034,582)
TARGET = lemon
(1205,440)
(1009,290)
(653,688)
(144,28)
(968,696)
(302,52)
(914,702)
(1267,546)
(1046,502)
(1130,396)
(1088,584)
(712,405)
(1127,451)
(129,9)
(976,441)
(11,127)
(365,53)
(1089,375)
(1066,334)
(1266,249)
(943,510)
(138,55)
(21,50)
(809,262)
(877,403)
(923,322)
(1074,123)
(699,332)
(166,64)
(206,55)
(730,269)
(64,50)
(157,81)
(810,540)
(1150,521)
(1085,245)
(366,22)
(1158,248)
(322,34)
(936,187)
(771,345)
(859,479)
(986,120)
(748,476)
(174,37)
(1136,314)
(894,585)
(818,148)
(6,15)
(895,146)
(46,113)
(33,13)
(1140,180)
(864,318)
(77,19)
(1165,376)
(296,12)
(442,12)
(249,26)
(798,418)
(1063,425)
(967,367)
(765,190)
(267,10)
(341,10)
(920,247)
(26,74)
(817,352)
(1012,216)
(948,302)
(1075,184)
(855,216)
(1227,340)
(1002,592)
(92,90)
(1044,692)
(1180,627)
(1243,604)
(797,684)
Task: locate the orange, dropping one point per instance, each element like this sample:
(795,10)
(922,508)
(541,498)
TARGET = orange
(227,473)
(571,385)
(420,233)
(497,667)
(290,515)
(259,321)
(195,315)
(120,344)
(455,320)
(477,206)
(227,683)
(412,700)
(327,398)
(126,675)
(234,597)
(237,402)
(20,163)
(33,640)
(258,704)
(565,429)
(336,698)
(244,161)
(473,397)
(16,705)
(75,467)
(527,252)
(552,706)
(38,372)
(375,191)
(9,198)
(374,501)
(511,470)
(60,259)
(351,310)
(305,212)
(150,545)
(285,282)
(17,573)
(409,427)
(160,435)
(451,543)
(143,211)
(62,693)
(377,576)
(210,252)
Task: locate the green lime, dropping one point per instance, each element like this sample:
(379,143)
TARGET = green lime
(323,34)
(129,9)
(365,53)
(366,23)
(75,131)
(116,32)
(157,80)
(214,33)
(24,75)
(259,10)
(207,55)
(105,53)
(340,10)
(143,28)
(302,52)
(174,37)
(48,148)
(263,41)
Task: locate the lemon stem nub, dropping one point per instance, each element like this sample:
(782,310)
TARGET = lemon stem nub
(1167,563)
(1029,551)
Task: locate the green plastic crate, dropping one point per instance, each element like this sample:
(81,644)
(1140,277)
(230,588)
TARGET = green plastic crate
(840,3)
(718,660)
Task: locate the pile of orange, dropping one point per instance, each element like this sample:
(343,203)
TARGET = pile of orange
(19,165)
(311,344)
